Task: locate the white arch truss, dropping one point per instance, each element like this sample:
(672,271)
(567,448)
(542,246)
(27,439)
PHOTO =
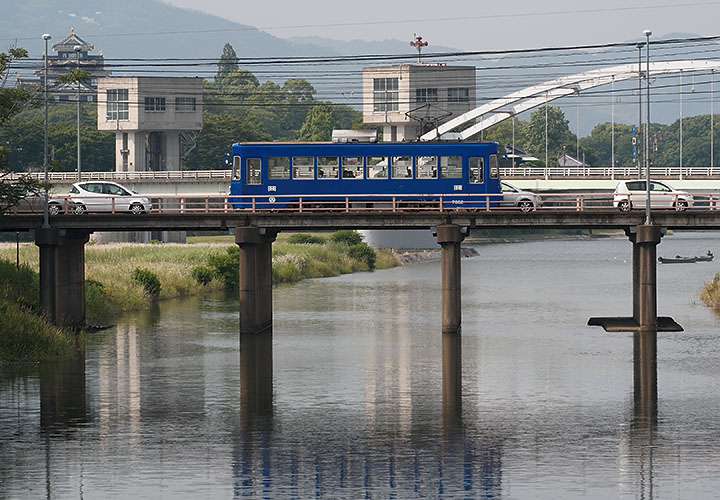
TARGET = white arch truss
(500,109)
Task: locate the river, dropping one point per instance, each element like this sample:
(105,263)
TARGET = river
(345,399)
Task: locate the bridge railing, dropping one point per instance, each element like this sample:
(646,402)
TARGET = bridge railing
(607,172)
(565,201)
(505,173)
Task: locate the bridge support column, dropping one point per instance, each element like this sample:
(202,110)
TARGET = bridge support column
(255,277)
(62,275)
(449,237)
(645,238)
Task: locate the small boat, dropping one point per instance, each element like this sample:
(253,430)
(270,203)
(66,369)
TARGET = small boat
(680,259)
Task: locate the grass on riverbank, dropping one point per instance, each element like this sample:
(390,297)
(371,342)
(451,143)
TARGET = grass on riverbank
(24,334)
(111,290)
(710,295)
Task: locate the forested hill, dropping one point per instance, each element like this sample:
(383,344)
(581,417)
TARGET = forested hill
(153,29)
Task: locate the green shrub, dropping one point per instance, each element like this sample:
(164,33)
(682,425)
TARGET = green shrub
(202,274)
(347,236)
(98,304)
(225,267)
(304,238)
(148,280)
(363,253)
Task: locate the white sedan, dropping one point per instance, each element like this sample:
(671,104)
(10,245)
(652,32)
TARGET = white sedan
(105,196)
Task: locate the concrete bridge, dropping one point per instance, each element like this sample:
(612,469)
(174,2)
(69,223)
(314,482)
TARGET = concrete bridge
(62,269)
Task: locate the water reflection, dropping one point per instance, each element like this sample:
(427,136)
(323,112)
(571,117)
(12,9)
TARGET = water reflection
(63,396)
(356,393)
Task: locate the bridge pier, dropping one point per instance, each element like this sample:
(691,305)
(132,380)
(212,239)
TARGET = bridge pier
(645,238)
(449,237)
(255,277)
(62,275)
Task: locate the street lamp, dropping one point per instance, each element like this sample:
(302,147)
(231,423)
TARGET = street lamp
(46,219)
(77,50)
(647,34)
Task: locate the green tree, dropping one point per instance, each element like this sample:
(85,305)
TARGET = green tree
(558,134)
(12,101)
(598,145)
(319,123)
(227,64)
(219,132)
(502,133)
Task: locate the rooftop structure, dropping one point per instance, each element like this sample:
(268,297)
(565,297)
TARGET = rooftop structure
(409,100)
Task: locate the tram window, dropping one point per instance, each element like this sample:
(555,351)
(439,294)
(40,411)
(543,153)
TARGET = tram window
(278,167)
(303,167)
(451,167)
(377,167)
(426,167)
(327,167)
(237,169)
(476,169)
(253,169)
(402,167)
(493,164)
(352,167)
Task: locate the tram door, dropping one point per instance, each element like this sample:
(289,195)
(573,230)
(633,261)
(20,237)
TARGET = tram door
(476,179)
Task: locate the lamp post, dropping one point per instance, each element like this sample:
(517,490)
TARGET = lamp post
(77,50)
(46,219)
(639,141)
(647,34)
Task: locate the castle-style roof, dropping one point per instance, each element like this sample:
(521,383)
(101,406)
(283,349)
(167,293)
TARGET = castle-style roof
(69,43)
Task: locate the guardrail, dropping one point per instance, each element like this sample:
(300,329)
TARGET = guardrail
(199,175)
(505,173)
(567,202)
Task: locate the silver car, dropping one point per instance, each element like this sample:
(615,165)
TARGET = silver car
(34,203)
(514,197)
(105,196)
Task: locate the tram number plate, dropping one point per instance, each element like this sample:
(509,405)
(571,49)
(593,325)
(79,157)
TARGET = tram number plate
(457,187)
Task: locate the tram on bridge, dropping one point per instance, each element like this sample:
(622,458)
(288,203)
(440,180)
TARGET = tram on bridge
(279,175)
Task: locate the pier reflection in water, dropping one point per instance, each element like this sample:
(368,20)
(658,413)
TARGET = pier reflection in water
(349,395)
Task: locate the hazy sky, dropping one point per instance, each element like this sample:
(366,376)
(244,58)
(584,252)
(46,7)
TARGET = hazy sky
(471,25)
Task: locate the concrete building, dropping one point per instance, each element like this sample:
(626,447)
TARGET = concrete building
(154,120)
(411,99)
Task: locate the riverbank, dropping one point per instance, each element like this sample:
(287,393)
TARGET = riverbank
(122,277)
(710,294)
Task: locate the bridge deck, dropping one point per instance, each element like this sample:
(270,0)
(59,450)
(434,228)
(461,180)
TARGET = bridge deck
(308,221)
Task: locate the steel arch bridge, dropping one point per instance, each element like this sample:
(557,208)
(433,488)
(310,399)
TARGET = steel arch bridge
(503,108)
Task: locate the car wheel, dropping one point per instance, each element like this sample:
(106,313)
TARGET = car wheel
(137,208)
(78,209)
(525,206)
(54,209)
(624,206)
(682,205)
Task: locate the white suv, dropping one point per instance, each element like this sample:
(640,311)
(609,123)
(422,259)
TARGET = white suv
(104,196)
(633,194)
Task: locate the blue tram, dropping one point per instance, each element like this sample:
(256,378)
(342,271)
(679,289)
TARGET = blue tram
(279,175)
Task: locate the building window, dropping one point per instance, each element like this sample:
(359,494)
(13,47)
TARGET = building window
(154,104)
(459,95)
(184,104)
(426,95)
(385,94)
(117,104)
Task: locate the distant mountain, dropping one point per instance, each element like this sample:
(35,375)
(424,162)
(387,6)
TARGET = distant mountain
(153,30)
